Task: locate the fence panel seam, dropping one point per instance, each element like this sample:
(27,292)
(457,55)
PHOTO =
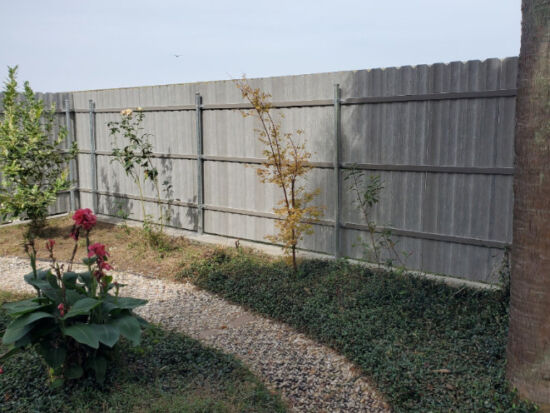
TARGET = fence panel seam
(336,166)
(93,157)
(69,138)
(200,170)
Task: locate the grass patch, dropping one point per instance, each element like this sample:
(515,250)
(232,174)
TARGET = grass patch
(167,373)
(429,347)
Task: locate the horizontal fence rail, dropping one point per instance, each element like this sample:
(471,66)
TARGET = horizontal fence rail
(321,222)
(325,102)
(329,165)
(319,102)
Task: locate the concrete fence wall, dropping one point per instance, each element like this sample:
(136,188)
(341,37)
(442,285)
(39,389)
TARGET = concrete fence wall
(440,136)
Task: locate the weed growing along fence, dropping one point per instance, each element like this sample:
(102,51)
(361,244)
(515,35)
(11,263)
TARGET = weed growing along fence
(439,136)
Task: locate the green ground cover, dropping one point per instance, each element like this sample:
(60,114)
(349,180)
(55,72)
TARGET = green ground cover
(168,372)
(427,346)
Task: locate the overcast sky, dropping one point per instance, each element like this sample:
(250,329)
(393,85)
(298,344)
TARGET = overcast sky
(64,45)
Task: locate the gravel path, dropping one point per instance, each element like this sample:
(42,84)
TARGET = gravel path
(311,377)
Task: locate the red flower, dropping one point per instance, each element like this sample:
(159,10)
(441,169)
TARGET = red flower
(98,250)
(1,370)
(84,218)
(49,245)
(61,308)
(105,266)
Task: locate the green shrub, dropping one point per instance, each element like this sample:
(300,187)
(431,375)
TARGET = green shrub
(75,321)
(33,166)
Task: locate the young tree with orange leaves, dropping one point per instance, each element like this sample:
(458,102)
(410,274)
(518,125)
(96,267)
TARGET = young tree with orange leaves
(286,164)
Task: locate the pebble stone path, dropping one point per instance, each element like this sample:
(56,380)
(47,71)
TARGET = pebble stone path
(310,377)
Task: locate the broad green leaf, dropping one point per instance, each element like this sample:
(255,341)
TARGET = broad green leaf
(107,307)
(93,334)
(12,335)
(129,327)
(82,306)
(108,333)
(22,325)
(86,278)
(52,280)
(83,333)
(71,296)
(126,303)
(22,307)
(69,279)
(40,275)
(53,294)
(40,282)
(29,318)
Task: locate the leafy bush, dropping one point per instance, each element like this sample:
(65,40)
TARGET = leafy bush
(33,165)
(74,322)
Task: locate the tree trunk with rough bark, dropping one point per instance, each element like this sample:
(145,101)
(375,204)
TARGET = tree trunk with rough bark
(528,350)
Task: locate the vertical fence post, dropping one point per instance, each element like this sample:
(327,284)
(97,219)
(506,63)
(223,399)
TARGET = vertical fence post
(337,178)
(200,178)
(72,205)
(93,156)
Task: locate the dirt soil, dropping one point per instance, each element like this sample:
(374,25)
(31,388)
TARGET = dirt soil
(128,247)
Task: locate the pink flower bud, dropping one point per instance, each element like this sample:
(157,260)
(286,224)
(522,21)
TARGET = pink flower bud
(105,266)
(61,308)
(50,244)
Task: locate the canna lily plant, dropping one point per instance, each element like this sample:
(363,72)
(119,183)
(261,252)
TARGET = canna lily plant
(76,318)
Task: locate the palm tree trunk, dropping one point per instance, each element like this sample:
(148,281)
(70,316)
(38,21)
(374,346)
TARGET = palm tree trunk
(528,350)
